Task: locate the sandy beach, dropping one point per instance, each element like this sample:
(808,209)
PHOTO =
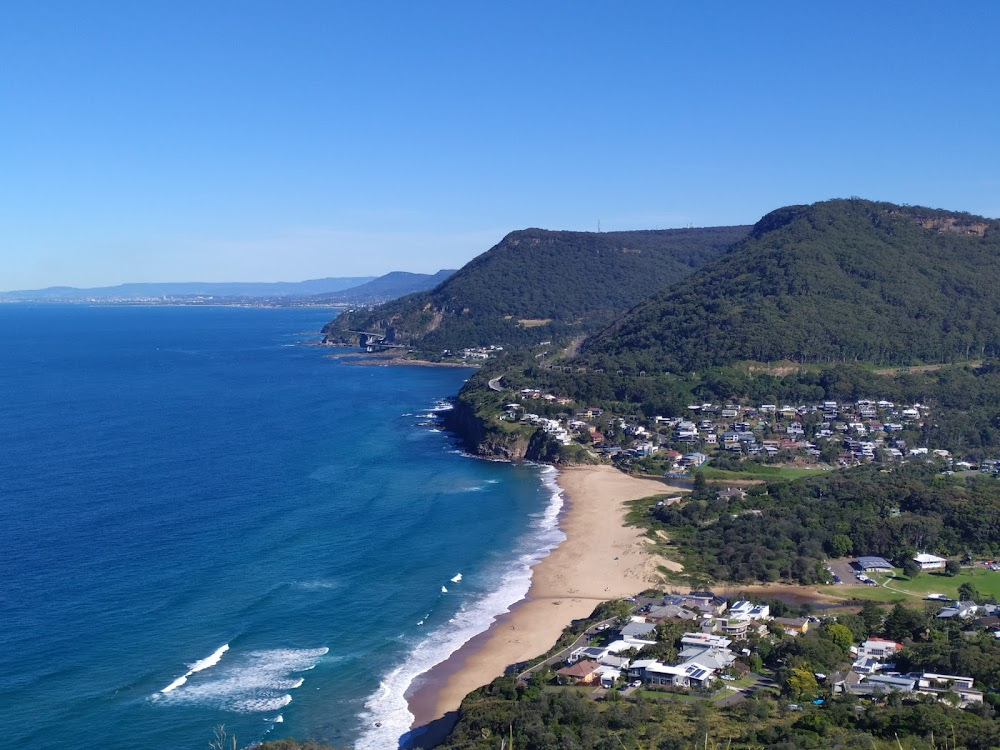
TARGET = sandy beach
(600,559)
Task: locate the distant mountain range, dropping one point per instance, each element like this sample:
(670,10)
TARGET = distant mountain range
(336,290)
(537,284)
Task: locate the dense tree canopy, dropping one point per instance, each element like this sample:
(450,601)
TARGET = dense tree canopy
(787,533)
(537,284)
(840,281)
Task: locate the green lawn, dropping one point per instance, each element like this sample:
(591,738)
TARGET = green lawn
(987,582)
(758,471)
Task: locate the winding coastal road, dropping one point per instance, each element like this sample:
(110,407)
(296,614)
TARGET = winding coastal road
(495,384)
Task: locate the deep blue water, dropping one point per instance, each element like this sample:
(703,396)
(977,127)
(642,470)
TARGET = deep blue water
(189,492)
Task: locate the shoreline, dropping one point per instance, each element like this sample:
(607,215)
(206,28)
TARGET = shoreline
(368,359)
(600,559)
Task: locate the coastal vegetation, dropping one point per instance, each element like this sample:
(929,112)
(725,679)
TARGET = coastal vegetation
(784,530)
(564,720)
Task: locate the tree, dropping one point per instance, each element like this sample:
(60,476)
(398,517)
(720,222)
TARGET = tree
(801,682)
(871,615)
(621,611)
(839,634)
(904,622)
(911,568)
(699,485)
(952,568)
(968,592)
(841,545)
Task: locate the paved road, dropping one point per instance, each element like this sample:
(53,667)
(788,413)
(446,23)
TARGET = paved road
(581,641)
(495,384)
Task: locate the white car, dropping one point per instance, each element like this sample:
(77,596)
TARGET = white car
(637,683)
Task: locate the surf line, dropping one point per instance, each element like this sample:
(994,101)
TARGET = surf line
(209,661)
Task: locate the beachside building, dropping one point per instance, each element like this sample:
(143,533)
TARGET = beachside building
(707,640)
(792,625)
(879,648)
(584,672)
(679,675)
(744,610)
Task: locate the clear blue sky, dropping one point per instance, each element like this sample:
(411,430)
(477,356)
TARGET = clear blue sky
(245,140)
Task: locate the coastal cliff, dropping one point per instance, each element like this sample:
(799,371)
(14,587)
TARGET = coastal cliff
(483,435)
(482,439)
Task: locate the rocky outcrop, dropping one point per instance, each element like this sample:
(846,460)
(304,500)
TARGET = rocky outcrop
(480,438)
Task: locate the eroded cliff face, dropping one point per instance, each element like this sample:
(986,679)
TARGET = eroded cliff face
(480,439)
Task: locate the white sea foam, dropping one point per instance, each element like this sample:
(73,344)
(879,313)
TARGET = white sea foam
(202,664)
(317,585)
(387,717)
(250,682)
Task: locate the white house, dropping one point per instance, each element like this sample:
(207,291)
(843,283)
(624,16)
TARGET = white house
(879,648)
(930,562)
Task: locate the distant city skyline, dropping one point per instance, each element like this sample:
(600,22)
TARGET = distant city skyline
(262,141)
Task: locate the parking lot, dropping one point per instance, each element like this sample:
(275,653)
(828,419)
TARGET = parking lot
(844,570)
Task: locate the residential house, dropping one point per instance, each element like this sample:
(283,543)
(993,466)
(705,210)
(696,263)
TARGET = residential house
(731,493)
(879,648)
(583,672)
(745,610)
(930,562)
(706,602)
(706,640)
(961,610)
(636,630)
(739,629)
(671,611)
(792,625)
(680,675)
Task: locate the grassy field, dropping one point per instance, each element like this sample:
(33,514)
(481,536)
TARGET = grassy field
(758,471)
(987,582)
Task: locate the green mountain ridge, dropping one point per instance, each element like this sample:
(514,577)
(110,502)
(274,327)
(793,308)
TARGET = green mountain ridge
(841,280)
(537,284)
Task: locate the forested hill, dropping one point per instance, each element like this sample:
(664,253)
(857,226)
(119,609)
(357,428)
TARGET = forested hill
(842,280)
(390,286)
(538,284)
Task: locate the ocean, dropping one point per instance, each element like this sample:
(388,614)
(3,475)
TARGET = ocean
(204,522)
